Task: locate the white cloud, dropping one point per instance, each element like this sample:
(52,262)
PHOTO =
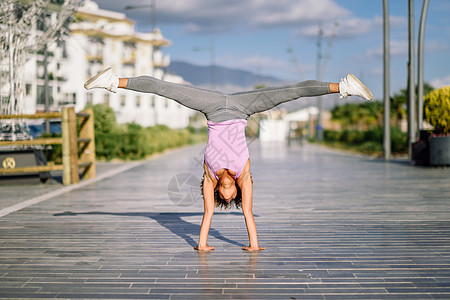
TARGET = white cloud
(341,28)
(200,16)
(397,48)
(257,64)
(377,71)
(400,48)
(295,13)
(440,82)
(256,61)
(436,46)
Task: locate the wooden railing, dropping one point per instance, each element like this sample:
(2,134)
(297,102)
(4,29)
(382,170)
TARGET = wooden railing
(70,141)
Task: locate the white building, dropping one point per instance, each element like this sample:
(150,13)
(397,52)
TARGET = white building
(99,39)
(271,130)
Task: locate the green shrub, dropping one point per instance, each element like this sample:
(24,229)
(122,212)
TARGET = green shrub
(352,137)
(370,147)
(398,141)
(369,141)
(132,141)
(53,152)
(374,135)
(104,118)
(331,136)
(107,146)
(437,109)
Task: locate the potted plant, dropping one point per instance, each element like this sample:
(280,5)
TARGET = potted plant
(437,113)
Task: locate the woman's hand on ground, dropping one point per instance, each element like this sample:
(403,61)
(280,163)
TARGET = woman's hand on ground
(204,248)
(250,248)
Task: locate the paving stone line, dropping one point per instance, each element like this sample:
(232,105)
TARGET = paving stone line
(335,226)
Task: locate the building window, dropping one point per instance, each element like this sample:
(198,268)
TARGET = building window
(123,100)
(153,101)
(138,101)
(28,88)
(41,95)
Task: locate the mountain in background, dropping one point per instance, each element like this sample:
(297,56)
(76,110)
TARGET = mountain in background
(220,78)
(233,80)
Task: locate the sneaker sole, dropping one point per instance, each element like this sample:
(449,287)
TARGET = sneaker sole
(91,80)
(365,91)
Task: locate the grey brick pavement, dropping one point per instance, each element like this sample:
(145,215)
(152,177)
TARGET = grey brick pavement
(334,225)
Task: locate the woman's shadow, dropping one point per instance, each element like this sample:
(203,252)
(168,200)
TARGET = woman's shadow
(172,221)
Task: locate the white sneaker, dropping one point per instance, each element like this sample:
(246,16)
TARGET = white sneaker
(106,79)
(351,86)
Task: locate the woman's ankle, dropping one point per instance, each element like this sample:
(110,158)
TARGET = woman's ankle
(334,88)
(123,83)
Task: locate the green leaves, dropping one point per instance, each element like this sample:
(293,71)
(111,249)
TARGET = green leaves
(131,140)
(437,109)
(358,115)
(104,119)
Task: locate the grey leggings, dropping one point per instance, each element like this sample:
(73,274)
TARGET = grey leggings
(219,107)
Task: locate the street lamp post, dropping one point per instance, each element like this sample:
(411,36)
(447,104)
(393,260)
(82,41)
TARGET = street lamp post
(212,54)
(319,129)
(12,99)
(411,85)
(423,19)
(386,80)
(152,7)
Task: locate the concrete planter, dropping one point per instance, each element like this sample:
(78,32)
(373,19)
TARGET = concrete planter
(439,151)
(421,149)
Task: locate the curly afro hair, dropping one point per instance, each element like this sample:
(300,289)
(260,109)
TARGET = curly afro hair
(219,202)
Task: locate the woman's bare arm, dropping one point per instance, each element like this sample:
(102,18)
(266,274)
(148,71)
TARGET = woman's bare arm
(245,183)
(208,201)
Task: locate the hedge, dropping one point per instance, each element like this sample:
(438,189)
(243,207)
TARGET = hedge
(133,142)
(367,141)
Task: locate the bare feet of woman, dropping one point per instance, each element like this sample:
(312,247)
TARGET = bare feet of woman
(250,248)
(204,248)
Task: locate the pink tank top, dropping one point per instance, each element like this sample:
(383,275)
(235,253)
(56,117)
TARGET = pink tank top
(226,147)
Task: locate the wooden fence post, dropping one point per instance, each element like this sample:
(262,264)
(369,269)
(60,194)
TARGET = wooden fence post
(88,153)
(70,146)
(69,141)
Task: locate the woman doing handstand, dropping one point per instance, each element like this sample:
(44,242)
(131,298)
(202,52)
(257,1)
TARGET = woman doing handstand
(226,165)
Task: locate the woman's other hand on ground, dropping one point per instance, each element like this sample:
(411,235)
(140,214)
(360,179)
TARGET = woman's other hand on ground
(204,248)
(250,248)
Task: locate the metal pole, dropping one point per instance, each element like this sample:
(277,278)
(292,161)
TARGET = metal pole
(12,98)
(46,96)
(213,64)
(212,56)
(386,80)
(423,19)
(319,131)
(153,46)
(153,14)
(411,86)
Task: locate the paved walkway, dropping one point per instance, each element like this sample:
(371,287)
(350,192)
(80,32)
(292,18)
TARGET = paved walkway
(334,225)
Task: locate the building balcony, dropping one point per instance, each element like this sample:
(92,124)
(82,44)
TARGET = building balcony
(129,58)
(61,75)
(130,63)
(94,58)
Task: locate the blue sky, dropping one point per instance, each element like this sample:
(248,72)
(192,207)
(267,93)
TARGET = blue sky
(255,35)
